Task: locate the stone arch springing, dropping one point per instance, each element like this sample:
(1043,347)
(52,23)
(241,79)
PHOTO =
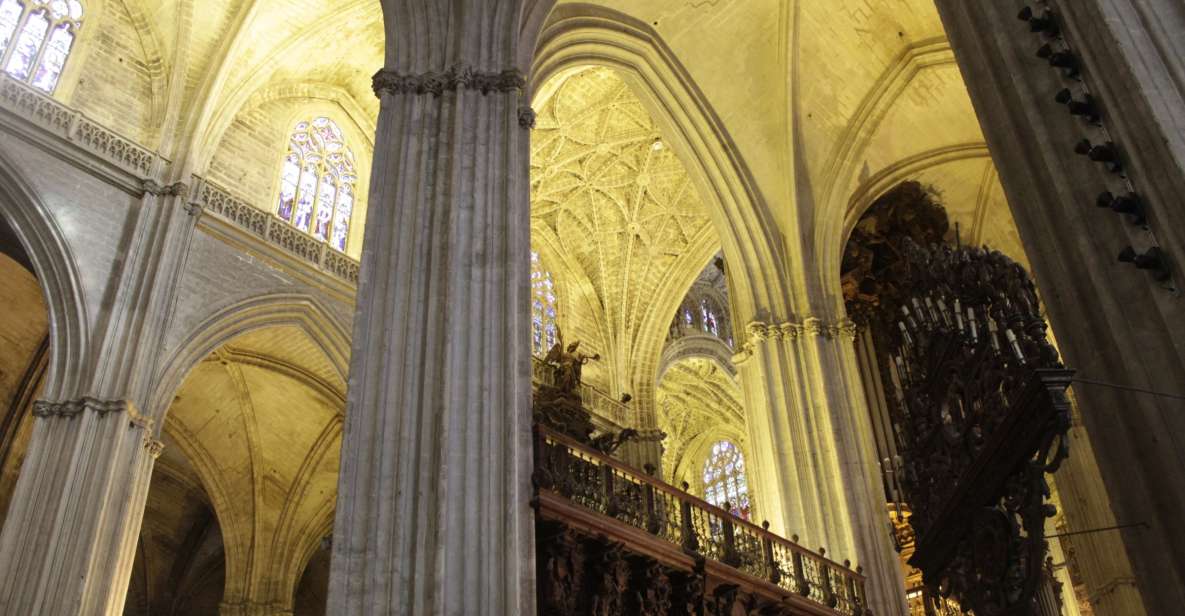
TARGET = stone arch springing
(53,263)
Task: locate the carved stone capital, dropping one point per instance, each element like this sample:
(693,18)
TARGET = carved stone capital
(152,187)
(455,77)
(69,409)
(154,447)
(845,329)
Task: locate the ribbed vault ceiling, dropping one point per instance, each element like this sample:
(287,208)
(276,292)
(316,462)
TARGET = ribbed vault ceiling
(697,401)
(616,215)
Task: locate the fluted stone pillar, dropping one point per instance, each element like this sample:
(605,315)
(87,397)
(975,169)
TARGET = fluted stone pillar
(814,471)
(68,543)
(72,528)
(433,513)
(1115,324)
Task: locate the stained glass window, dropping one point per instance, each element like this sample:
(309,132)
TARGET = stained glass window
(724,479)
(36,37)
(543,302)
(317,182)
(709,321)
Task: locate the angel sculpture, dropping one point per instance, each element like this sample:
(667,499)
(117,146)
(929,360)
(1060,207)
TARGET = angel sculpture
(566,364)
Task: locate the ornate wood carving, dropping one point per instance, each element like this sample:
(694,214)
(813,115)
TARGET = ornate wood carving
(612,540)
(978,398)
(613,579)
(561,569)
(652,588)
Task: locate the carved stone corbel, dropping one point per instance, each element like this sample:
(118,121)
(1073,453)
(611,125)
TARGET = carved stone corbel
(526,117)
(152,187)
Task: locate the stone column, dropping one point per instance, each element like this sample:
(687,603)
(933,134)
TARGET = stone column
(68,543)
(815,473)
(433,513)
(71,532)
(1120,328)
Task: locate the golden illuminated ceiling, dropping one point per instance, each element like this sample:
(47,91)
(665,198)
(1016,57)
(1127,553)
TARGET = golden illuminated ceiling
(616,218)
(260,422)
(699,403)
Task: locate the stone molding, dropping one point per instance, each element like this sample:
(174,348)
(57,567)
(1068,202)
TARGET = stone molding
(760,332)
(212,199)
(69,409)
(44,112)
(456,77)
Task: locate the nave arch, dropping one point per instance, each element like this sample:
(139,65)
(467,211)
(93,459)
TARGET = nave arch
(576,36)
(54,265)
(301,312)
(257,421)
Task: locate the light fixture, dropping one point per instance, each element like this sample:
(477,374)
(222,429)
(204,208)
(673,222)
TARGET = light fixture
(1152,261)
(1128,204)
(1064,60)
(1045,24)
(1105,153)
(1085,108)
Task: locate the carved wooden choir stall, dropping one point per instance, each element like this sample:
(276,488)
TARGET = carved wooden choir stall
(613,540)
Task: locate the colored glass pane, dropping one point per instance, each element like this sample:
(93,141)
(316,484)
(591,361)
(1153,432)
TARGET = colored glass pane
(36,37)
(725,484)
(53,59)
(304,201)
(543,308)
(321,201)
(28,43)
(10,14)
(341,217)
(326,196)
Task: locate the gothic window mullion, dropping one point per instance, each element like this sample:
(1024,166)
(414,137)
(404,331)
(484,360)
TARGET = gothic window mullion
(322,198)
(22,15)
(39,62)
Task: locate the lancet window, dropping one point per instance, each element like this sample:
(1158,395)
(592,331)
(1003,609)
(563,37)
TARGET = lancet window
(318,182)
(543,307)
(36,37)
(725,484)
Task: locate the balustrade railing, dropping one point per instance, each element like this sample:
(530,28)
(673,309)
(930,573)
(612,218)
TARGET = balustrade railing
(51,115)
(218,201)
(595,401)
(146,165)
(584,477)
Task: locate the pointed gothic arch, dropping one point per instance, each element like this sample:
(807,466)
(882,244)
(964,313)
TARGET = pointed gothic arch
(301,311)
(53,263)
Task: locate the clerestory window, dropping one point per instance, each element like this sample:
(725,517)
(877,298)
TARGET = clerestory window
(317,182)
(543,307)
(36,37)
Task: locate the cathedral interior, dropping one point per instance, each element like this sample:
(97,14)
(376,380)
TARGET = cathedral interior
(604,307)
